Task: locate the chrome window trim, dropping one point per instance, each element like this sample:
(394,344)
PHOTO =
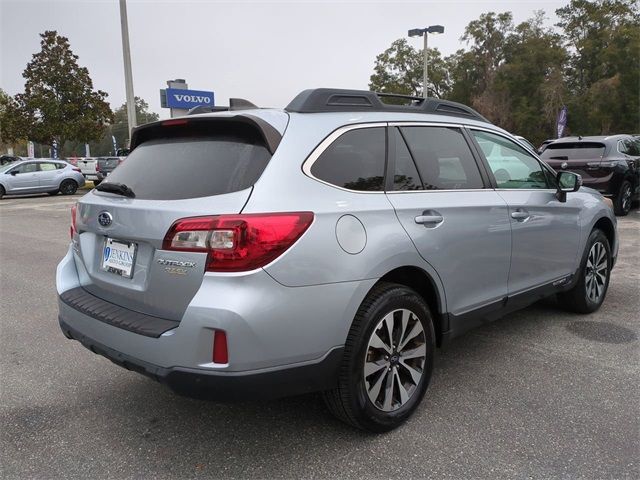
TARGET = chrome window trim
(324,144)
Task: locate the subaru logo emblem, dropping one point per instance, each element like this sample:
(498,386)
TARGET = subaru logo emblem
(564,165)
(105,219)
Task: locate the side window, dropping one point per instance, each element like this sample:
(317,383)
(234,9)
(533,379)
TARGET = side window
(60,166)
(26,168)
(47,167)
(623,147)
(511,165)
(406,175)
(356,160)
(443,157)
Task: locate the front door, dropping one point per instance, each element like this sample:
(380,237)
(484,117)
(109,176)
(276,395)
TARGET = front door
(545,231)
(23,177)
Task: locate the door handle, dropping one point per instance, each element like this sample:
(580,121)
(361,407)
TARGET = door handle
(520,215)
(429,219)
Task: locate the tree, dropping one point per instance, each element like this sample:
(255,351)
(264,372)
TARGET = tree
(605,41)
(400,69)
(59,102)
(120,126)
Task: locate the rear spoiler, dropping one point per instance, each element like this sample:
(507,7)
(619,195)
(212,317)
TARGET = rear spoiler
(268,132)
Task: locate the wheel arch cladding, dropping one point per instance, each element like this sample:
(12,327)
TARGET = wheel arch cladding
(607,228)
(420,281)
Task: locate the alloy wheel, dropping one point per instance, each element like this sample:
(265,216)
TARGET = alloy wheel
(394,361)
(596,272)
(626,198)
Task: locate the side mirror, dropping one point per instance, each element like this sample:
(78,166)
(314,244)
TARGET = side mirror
(567,182)
(13,172)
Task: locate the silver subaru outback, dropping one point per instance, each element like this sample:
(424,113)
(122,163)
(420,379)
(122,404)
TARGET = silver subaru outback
(330,246)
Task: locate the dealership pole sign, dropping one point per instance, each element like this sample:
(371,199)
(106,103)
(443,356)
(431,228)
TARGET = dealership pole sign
(187,99)
(562,121)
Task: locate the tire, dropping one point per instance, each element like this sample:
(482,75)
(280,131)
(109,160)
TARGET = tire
(2,191)
(367,403)
(622,202)
(68,187)
(590,290)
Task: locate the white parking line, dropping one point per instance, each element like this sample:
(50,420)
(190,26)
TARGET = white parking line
(52,204)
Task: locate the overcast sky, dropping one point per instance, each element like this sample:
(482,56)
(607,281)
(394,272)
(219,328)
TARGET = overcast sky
(263,51)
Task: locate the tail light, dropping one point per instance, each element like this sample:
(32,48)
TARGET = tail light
(77,170)
(237,243)
(73,230)
(97,167)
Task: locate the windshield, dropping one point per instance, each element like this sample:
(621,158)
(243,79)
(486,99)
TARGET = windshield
(7,166)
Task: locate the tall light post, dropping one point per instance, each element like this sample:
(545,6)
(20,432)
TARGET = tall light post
(424,32)
(128,76)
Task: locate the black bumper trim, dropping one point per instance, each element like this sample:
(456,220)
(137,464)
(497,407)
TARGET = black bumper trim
(107,312)
(226,386)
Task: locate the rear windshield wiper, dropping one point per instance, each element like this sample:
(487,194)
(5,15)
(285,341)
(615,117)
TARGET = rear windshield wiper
(119,188)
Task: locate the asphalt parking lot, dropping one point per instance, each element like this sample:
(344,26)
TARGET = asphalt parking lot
(541,393)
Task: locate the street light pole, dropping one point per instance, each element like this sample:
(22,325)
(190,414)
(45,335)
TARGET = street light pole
(128,76)
(425,83)
(424,32)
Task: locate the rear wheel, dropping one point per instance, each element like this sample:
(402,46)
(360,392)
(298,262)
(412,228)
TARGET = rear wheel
(589,292)
(387,362)
(622,202)
(68,187)
(2,191)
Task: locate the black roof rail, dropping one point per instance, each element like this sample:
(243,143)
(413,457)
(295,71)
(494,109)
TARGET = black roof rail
(339,100)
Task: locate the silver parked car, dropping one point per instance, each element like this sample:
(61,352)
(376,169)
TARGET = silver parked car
(330,246)
(42,175)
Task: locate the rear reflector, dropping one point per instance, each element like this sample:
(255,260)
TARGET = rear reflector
(237,243)
(220,352)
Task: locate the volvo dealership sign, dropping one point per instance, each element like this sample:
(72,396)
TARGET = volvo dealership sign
(186,99)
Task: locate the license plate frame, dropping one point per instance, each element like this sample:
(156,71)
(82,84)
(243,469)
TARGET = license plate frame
(119,257)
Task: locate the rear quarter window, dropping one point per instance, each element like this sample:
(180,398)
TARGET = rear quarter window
(183,163)
(355,161)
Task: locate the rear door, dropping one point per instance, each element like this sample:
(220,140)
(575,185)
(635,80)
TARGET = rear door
(545,231)
(48,175)
(459,226)
(178,171)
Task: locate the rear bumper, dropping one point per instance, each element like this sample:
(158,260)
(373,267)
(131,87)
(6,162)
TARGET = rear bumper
(226,386)
(270,328)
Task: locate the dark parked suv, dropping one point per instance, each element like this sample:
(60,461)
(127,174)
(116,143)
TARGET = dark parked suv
(610,165)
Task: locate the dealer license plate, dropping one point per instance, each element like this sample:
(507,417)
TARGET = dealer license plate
(119,257)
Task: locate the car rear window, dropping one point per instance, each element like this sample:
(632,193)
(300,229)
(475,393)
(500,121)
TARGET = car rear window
(108,162)
(194,164)
(573,151)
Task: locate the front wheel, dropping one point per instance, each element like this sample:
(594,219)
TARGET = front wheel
(589,292)
(68,187)
(387,362)
(622,202)
(2,191)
